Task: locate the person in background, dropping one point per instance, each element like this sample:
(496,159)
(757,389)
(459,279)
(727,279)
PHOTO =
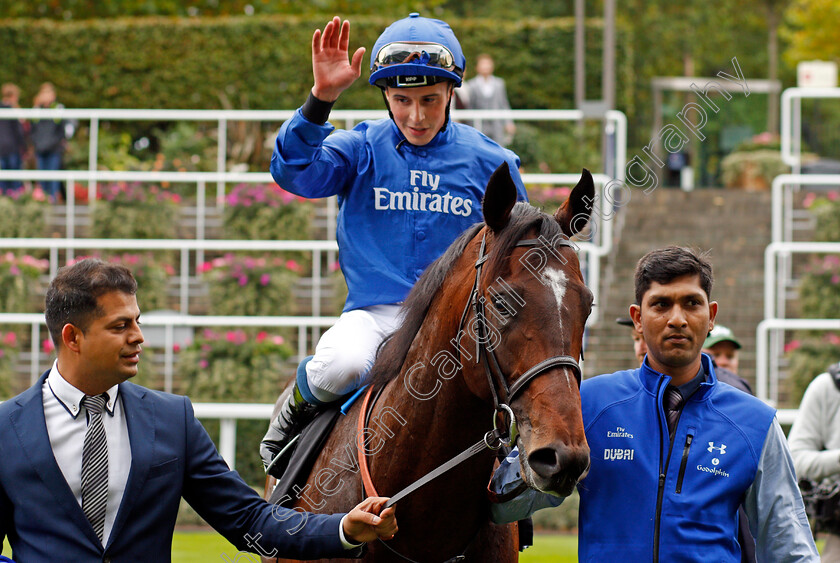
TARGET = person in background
(12,142)
(723,347)
(672,447)
(49,138)
(639,346)
(407,187)
(814,442)
(488,92)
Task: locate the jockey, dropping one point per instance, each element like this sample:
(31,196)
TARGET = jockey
(407,187)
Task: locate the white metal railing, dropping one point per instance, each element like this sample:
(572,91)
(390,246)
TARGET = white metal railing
(767,382)
(184,246)
(782,200)
(770,340)
(776,250)
(594,251)
(791,133)
(169,322)
(614,120)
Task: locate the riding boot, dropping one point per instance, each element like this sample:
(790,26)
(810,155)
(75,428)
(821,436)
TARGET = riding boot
(295,413)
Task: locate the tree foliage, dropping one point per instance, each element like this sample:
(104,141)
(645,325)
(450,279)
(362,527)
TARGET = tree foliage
(811,30)
(92,9)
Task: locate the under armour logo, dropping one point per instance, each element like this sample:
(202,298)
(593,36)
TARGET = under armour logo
(712,447)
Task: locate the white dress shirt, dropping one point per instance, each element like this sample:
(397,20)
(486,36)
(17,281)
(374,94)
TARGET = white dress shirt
(66,429)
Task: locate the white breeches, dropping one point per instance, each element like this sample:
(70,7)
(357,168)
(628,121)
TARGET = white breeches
(345,353)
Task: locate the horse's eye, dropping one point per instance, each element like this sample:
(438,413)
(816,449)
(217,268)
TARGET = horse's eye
(502,305)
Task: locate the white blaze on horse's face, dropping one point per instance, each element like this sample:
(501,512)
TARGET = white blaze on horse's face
(556,280)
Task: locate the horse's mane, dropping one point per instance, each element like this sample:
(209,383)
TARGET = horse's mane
(393,351)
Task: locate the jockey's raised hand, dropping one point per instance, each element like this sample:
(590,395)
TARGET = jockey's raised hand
(333,72)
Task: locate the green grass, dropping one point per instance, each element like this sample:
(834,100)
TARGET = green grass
(202,546)
(551,548)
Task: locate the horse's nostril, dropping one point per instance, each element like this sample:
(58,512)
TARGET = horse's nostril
(545,461)
(550,462)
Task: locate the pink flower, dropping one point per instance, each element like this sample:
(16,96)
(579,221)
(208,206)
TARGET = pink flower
(264,279)
(230,336)
(205,267)
(832,196)
(808,200)
(792,345)
(277,340)
(243,280)
(14,270)
(835,279)
(293,266)
(261,335)
(176,348)
(833,339)
(335,266)
(47,346)
(203,364)
(176,198)
(10,339)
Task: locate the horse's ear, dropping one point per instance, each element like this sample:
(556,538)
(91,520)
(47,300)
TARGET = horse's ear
(574,214)
(499,198)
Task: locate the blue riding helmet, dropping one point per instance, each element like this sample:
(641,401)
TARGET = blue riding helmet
(416,51)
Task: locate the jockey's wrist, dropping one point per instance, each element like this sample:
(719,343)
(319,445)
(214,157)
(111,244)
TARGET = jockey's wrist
(316,110)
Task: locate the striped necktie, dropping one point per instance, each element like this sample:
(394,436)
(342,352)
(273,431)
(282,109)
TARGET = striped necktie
(95,465)
(672,401)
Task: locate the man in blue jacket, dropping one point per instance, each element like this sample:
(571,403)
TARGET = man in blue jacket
(674,452)
(406,186)
(94,467)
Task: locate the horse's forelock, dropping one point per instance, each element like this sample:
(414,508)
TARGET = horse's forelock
(524,219)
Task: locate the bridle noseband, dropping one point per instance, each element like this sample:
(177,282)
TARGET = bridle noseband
(496,380)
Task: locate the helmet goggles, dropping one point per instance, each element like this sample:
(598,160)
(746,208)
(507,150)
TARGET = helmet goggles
(427,54)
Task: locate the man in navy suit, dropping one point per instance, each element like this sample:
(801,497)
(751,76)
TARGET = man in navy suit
(93,467)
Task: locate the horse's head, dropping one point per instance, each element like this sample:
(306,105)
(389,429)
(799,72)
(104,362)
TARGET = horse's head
(526,323)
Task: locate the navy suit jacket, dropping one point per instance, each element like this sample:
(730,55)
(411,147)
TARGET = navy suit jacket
(172,456)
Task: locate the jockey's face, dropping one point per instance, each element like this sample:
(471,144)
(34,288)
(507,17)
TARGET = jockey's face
(419,112)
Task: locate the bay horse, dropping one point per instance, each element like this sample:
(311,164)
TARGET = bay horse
(498,318)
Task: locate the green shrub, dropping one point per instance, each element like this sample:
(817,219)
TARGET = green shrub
(8,356)
(753,169)
(811,352)
(244,285)
(18,282)
(236,366)
(134,211)
(263,61)
(24,214)
(266,212)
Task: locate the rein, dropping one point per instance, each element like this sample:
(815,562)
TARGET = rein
(495,438)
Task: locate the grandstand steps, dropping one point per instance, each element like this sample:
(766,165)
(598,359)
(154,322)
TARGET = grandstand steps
(734,225)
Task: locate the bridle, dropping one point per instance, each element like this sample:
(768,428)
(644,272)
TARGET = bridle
(496,379)
(493,439)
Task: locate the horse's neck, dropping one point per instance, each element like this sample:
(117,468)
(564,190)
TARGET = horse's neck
(442,416)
